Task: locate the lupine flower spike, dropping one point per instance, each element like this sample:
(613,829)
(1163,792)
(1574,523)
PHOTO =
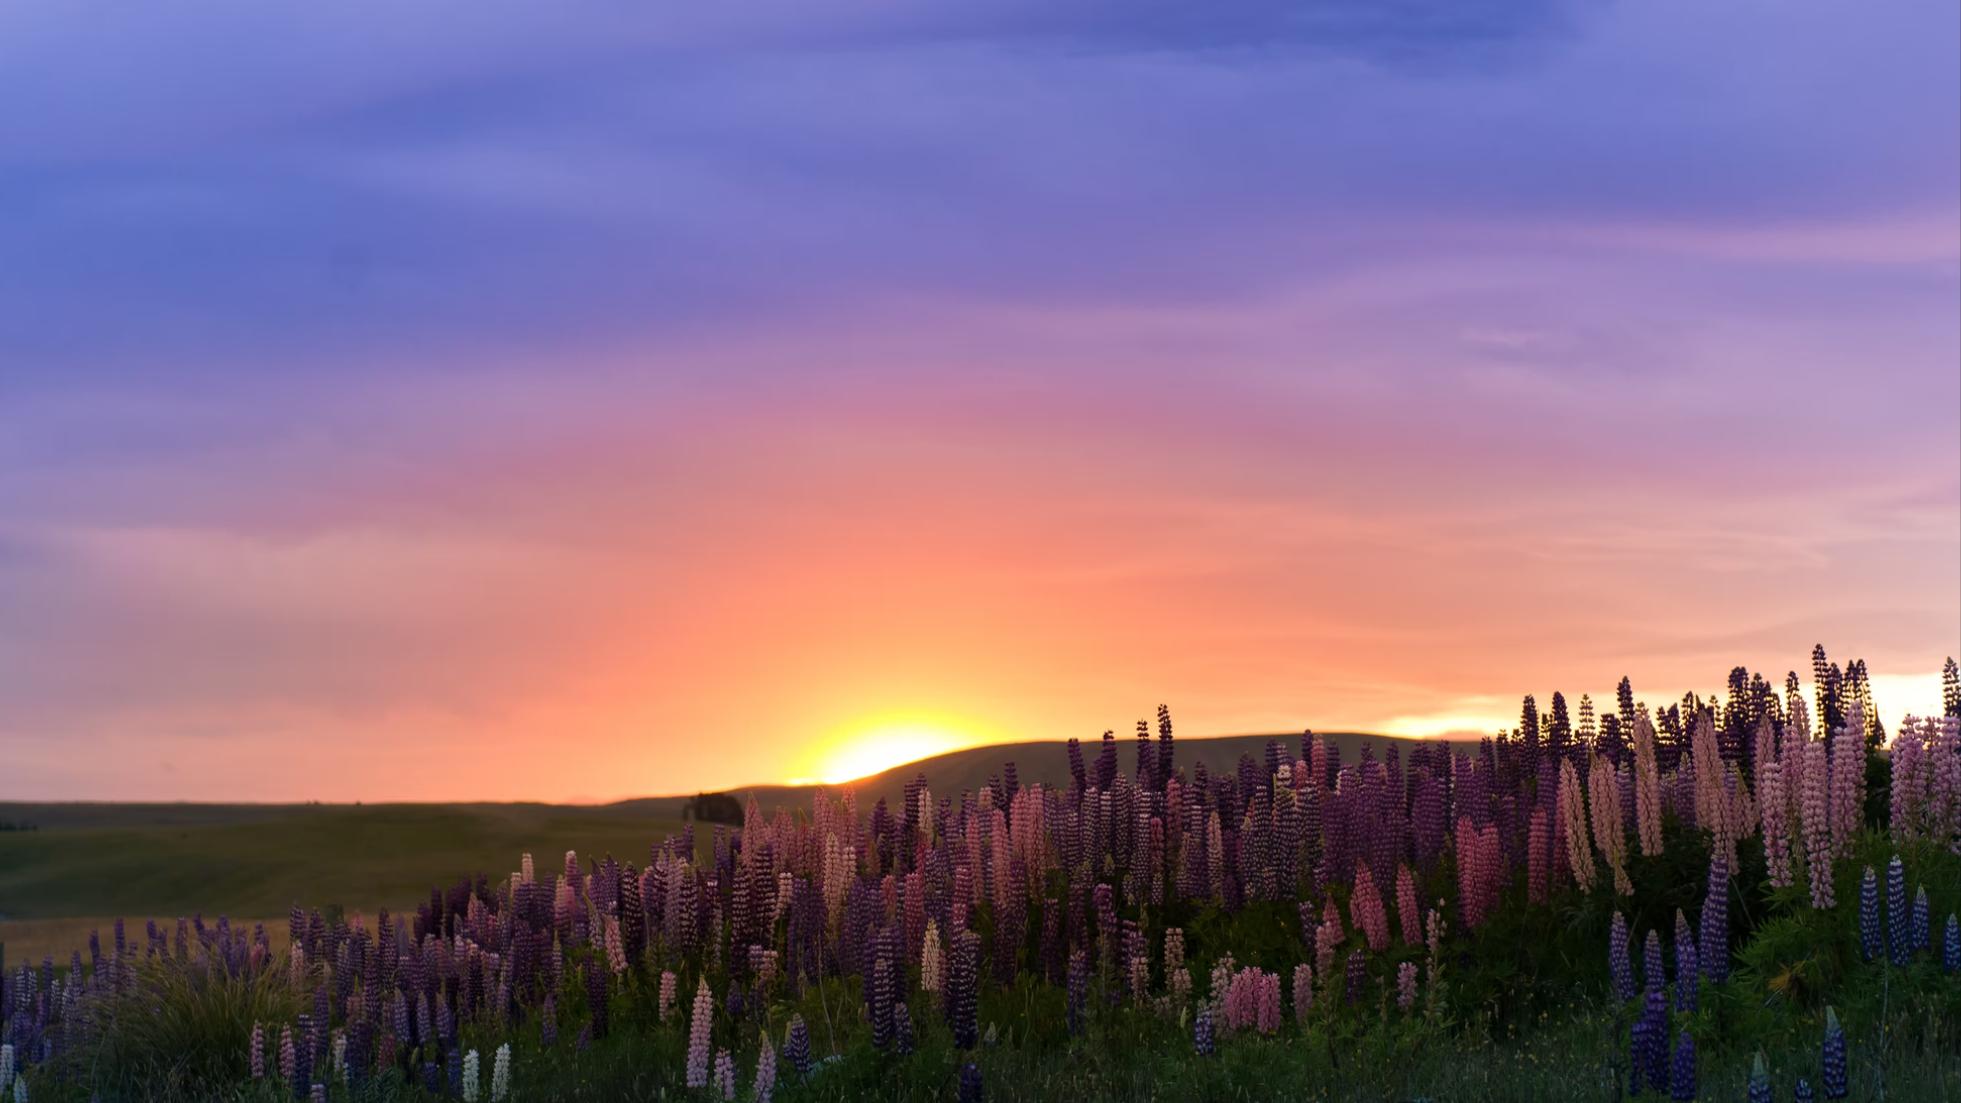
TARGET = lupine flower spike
(1869,943)
(1759,1081)
(1832,1063)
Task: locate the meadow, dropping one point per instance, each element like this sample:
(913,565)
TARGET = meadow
(1750,896)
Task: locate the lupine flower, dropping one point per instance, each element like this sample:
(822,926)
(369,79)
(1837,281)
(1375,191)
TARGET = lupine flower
(725,1073)
(547,1021)
(1303,990)
(20,1088)
(1759,1081)
(1407,912)
(288,1056)
(1365,906)
(1869,939)
(1713,951)
(318,1093)
(1951,945)
(1802,1093)
(1922,924)
(667,986)
(6,1066)
(257,1055)
(1681,1071)
(1573,817)
(1357,975)
(1899,935)
(1832,1061)
(699,1028)
(796,1045)
(902,1039)
(500,1073)
(1815,813)
(1651,968)
(1647,786)
(1406,985)
(1618,964)
(932,968)
(970,1083)
(1202,1040)
(472,1077)
(963,989)
(766,1071)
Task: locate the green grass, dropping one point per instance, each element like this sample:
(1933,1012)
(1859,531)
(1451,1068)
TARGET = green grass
(92,862)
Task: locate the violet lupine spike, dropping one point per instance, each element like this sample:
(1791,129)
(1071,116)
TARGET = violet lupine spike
(1802,1093)
(1681,1070)
(1406,986)
(1357,975)
(970,1084)
(1922,923)
(1869,937)
(1759,1081)
(1651,967)
(1203,1042)
(1899,936)
(1951,945)
(796,1046)
(1832,1058)
(1712,951)
(1618,964)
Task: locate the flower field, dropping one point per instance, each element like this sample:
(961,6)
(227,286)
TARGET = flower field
(1751,896)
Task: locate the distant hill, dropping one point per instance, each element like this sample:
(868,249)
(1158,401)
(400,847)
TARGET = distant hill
(1043,761)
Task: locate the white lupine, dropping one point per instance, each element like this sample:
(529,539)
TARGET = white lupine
(472,1076)
(500,1074)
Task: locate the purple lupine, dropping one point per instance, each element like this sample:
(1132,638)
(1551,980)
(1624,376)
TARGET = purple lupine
(963,989)
(970,1083)
(1618,964)
(1922,924)
(796,1046)
(1656,1013)
(1681,1071)
(1832,1057)
(1688,980)
(1712,951)
(1651,967)
(1951,945)
(1203,1042)
(1357,975)
(547,1020)
(1899,945)
(1869,941)
(902,1037)
(1802,1093)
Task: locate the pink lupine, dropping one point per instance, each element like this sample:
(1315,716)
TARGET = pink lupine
(1406,985)
(1303,990)
(1647,785)
(725,1074)
(1406,910)
(667,984)
(932,960)
(1327,939)
(258,1051)
(1815,810)
(698,1036)
(1573,818)
(1848,779)
(1609,824)
(1776,817)
(1365,907)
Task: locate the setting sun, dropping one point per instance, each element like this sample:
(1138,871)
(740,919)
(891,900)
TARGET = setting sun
(880,745)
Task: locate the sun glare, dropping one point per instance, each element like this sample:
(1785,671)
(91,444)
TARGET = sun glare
(876,747)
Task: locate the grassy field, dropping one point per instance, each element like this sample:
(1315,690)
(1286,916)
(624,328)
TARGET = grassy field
(87,863)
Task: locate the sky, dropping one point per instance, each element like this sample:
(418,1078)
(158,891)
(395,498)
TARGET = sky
(507,401)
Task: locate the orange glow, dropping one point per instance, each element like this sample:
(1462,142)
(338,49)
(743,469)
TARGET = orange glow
(878,745)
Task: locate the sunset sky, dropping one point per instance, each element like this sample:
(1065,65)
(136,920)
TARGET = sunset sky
(478,400)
